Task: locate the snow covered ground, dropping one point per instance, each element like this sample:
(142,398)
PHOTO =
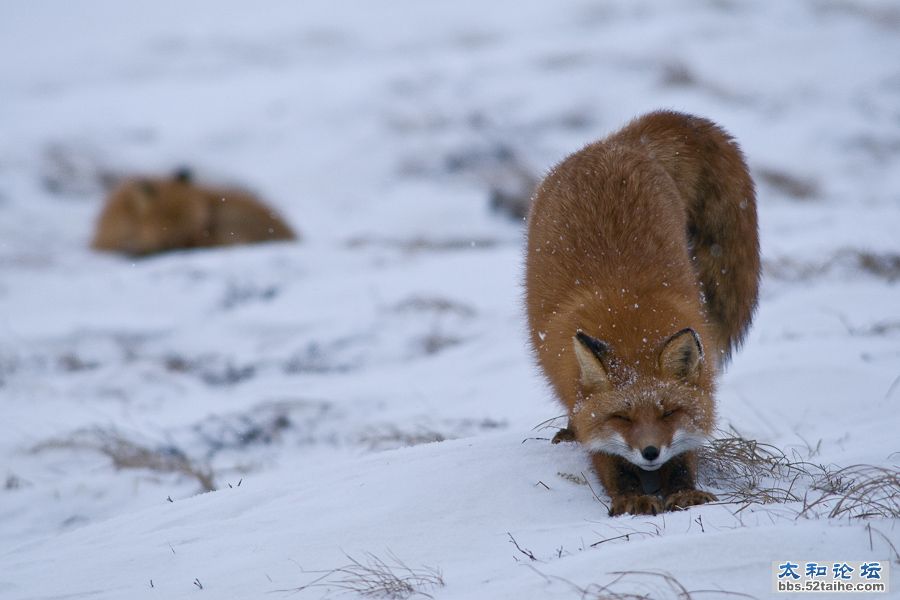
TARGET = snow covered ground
(369,389)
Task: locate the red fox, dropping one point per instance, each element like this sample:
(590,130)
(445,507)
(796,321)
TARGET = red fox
(147,215)
(642,274)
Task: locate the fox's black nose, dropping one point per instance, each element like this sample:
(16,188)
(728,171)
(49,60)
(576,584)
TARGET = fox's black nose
(650,452)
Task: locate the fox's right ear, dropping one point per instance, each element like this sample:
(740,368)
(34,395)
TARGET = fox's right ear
(681,356)
(590,352)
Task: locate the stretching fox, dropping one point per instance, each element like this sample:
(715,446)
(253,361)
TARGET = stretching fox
(641,278)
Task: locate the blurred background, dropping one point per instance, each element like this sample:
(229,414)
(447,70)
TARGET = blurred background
(402,140)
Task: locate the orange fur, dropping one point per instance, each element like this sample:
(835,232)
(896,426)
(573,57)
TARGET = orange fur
(149,215)
(645,243)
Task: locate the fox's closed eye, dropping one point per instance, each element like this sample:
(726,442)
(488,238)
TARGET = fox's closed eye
(622,418)
(670,413)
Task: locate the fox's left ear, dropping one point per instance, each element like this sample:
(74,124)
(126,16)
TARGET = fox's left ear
(681,355)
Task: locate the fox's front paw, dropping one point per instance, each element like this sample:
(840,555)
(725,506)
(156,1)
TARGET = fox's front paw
(635,505)
(563,435)
(682,499)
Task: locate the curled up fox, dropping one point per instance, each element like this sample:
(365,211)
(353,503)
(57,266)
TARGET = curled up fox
(146,215)
(642,275)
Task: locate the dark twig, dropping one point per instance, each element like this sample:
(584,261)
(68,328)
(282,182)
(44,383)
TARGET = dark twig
(527,553)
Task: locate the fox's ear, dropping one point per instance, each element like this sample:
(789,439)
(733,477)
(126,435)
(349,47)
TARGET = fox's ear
(680,357)
(183,174)
(590,352)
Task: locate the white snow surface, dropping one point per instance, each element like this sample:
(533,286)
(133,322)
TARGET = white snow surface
(369,389)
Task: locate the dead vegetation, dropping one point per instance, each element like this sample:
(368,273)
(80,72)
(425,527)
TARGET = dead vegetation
(750,472)
(884,16)
(511,186)
(70,168)
(435,342)
(421,244)
(641,585)
(239,294)
(795,187)
(334,356)
(434,304)
(497,166)
(881,148)
(127,454)
(858,491)
(212,369)
(573,478)
(387,436)
(237,443)
(676,74)
(265,424)
(14,482)
(73,363)
(374,577)
(883,265)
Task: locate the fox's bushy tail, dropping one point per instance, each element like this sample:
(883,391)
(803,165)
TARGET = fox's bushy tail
(712,176)
(723,235)
(724,239)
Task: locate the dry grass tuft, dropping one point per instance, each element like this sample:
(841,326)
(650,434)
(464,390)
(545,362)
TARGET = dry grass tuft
(388,436)
(858,491)
(374,577)
(573,478)
(753,473)
(643,585)
(127,454)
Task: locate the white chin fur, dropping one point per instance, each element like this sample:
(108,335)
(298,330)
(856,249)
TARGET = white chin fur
(682,441)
